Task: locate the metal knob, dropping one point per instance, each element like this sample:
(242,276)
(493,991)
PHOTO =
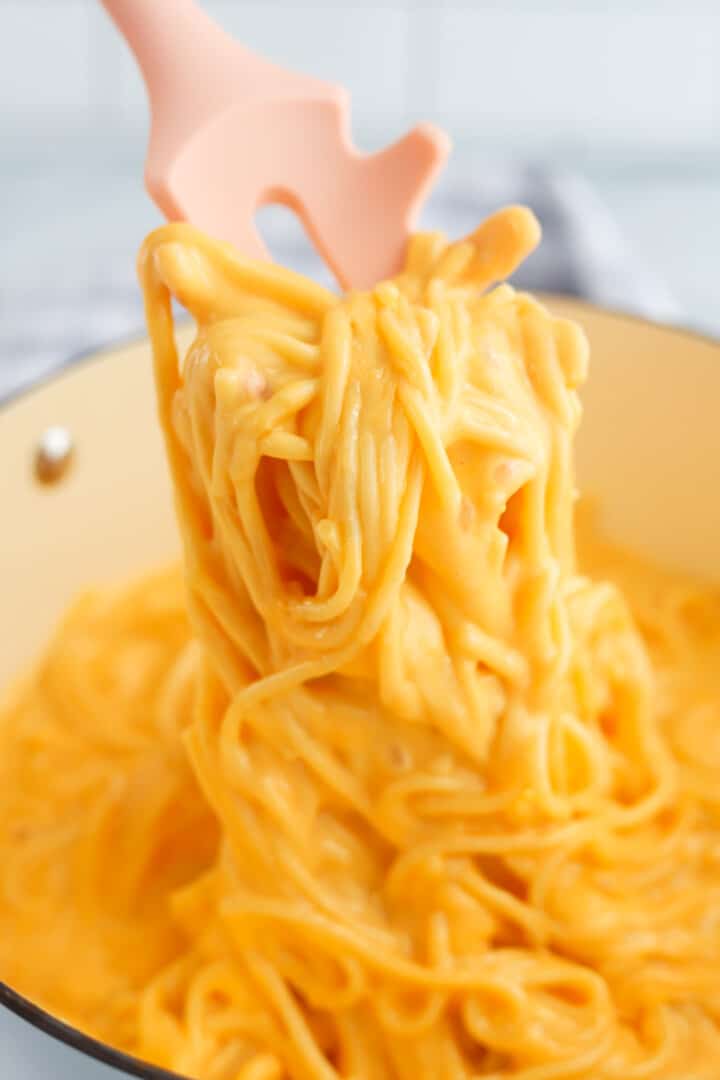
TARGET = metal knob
(53,455)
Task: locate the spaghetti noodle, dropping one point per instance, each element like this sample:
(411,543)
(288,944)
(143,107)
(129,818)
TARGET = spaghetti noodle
(405,794)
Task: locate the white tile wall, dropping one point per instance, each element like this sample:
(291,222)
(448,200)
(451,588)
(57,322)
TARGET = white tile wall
(36,75)
(362,46)
(648,76)
(524,74)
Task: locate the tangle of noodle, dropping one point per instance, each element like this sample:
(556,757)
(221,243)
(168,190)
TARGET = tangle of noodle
(407,795)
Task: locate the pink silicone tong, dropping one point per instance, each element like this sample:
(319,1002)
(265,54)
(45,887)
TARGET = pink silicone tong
(231,132)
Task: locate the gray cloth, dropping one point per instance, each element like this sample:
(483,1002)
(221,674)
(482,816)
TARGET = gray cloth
(80,306)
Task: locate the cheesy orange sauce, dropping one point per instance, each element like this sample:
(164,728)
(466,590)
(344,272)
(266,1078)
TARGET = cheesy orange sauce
(385,783)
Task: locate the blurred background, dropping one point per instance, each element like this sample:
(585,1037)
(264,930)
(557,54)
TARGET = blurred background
(604,116)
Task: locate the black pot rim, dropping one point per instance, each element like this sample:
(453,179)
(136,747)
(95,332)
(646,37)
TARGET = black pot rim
(78,1040)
